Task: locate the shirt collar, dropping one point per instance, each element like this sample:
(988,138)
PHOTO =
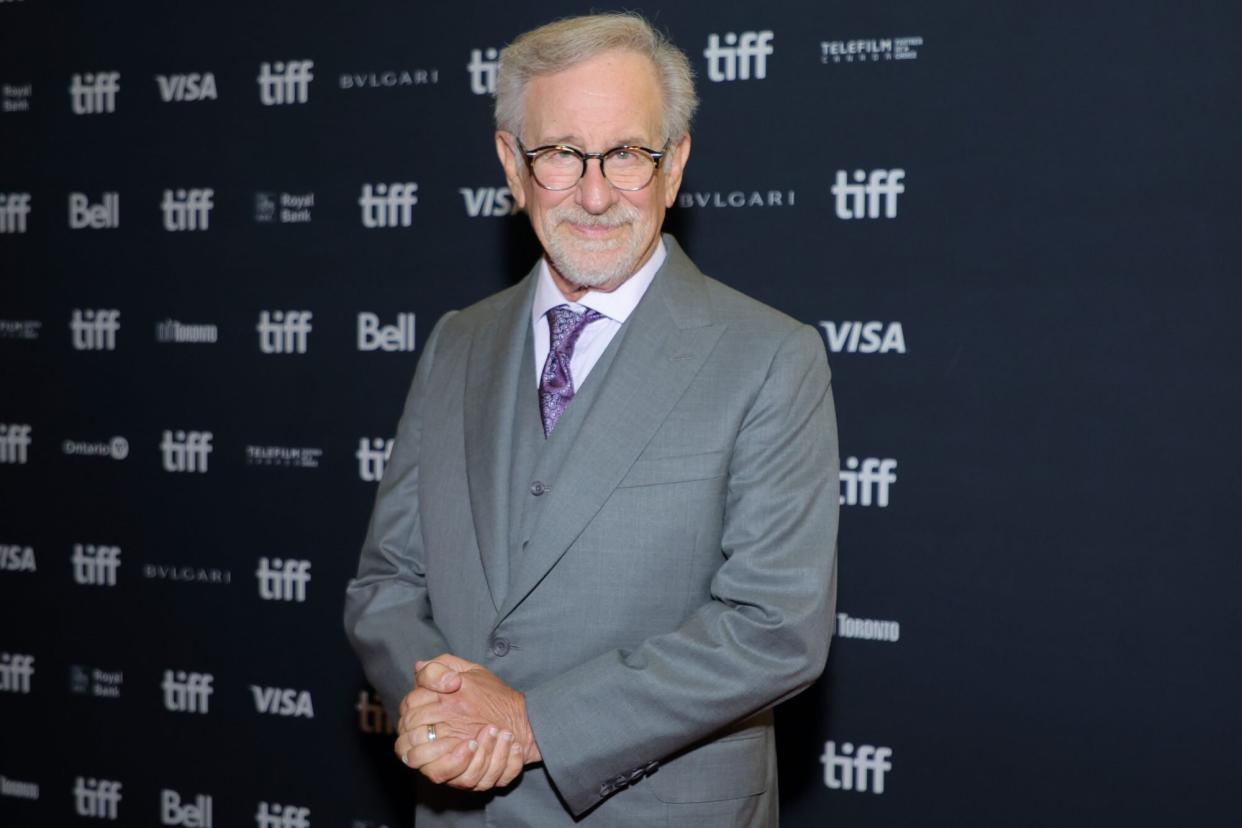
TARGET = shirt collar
(616,305)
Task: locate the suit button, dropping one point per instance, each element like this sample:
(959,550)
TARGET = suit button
(651,766)
(537,488)
(636,775)
(500,647)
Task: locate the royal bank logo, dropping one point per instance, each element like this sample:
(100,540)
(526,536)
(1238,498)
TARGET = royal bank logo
(83,215)
(282,701)
(389,79)
(491,202)
(115,449)
(741,57)
(482,70)
(16,671)
(860,769)
(18,789)
(14,209)
(867,629)
(94,682)
(94,93)
(15,97)
(737,198)
(98,798)
(95,565)
(283,208)
(284,331)
(195,813)
(285,457)
(870,50)
(283,579)
(186,692)
(94,329)
(188,88)
(17,558)
(285,82)
(388,205)
(373,454)
(864,337)
(187,574)
(867,482)
(183,333)
(371,715)
(15,442)
(187,210)
(185,451)
(20,328)
(862,198)
(372,336)
(273,815)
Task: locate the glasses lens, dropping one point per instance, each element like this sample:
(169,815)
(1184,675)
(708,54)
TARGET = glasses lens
(629,169)
(557,169)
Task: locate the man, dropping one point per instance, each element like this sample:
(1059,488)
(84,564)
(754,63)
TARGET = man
(604,545)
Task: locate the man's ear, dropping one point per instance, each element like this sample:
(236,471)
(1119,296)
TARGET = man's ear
(674,165)
(506,150)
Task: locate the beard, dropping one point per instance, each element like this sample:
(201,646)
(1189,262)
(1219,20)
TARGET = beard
(595,263)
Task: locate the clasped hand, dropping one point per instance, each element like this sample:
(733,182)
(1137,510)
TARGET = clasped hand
(464,727)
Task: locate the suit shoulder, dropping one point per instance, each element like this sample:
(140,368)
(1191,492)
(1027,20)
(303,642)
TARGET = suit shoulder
(745,314)
(482,313)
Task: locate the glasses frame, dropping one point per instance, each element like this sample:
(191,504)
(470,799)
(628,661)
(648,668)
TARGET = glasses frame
(531,154)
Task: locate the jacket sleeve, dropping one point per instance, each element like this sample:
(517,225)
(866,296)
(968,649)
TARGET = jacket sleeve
(763,636)
(387,613)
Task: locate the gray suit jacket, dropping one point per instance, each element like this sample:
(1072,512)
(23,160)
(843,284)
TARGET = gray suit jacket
(681,580)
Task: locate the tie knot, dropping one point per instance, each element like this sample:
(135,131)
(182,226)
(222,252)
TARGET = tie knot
(564,325)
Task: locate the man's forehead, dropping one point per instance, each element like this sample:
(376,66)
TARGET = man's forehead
(613,98)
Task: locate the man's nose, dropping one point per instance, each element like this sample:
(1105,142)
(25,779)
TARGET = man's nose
(595,194)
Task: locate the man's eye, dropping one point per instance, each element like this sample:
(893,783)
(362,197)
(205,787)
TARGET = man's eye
(623,155)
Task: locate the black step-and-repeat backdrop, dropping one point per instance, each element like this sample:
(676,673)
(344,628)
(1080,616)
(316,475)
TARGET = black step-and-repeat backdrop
(225,231)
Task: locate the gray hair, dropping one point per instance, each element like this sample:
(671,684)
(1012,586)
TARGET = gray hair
(564,43)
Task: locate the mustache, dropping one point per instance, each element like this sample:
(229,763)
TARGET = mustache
(614,217)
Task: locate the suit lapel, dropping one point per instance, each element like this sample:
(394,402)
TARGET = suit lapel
(670,336)
(493,370)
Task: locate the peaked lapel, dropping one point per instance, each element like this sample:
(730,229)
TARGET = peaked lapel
(493,369)
(670,336)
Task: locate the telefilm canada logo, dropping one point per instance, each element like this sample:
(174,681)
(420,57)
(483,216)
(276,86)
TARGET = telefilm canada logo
(738,56)
(284,457)
(857,768)
(20,328)
(867,482)
(482,70)
(15,97)
(870,50)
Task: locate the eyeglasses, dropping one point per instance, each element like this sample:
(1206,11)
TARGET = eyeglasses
(558,167)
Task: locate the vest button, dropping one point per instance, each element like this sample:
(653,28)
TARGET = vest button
(537,488)
(500,647)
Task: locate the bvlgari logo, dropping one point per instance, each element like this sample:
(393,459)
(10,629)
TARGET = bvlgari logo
(388,78)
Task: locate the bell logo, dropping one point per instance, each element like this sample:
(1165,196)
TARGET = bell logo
(99,798)
(371,715)
(285,82)
(186,692)
(187,210)
(16,671)
(284,332)
(187,88)
(374,337)
(482,69)
(196,814)
(388,205)
(14,442)
(17,559)
(733,61)
(860,769)
(271,815)
(488,201)
(875,476)
(372,457)
(862,198)
(94,93)
(103,216)
(282,702)
(95,565)
(186,451)
(283,580)
(14,207)
(864,337)
(94,330)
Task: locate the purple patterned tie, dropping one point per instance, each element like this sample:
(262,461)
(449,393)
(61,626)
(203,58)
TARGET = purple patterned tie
(556,385)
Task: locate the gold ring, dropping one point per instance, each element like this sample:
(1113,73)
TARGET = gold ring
(431,733)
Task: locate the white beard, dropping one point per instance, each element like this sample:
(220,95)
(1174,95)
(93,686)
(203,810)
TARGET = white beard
(594,263)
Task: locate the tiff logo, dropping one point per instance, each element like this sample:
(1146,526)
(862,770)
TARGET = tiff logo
(14,207)
(285,82)
(375,337)
(859,770)
(280,701)
(196,814)
(488,201)
(371,715)
(186,451)
(15,672)
(864,337)
(271,815)
(482,68)
(187,88)
(94,93)
(187,210)
(284,332)
(283,580)
(14,442)
(99,798)
(733,60)
(103,216)
(858,486)
(862,198)
(373,455)
(186,692)
(94,330)
(388,205)
(95,565)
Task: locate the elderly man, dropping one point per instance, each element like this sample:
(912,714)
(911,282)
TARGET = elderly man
(604,545)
